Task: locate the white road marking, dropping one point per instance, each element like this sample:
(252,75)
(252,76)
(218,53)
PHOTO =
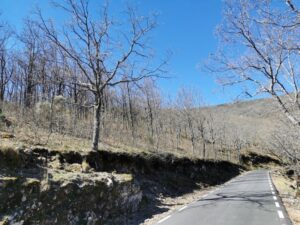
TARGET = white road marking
(184,207)
(164,219)
(280,214)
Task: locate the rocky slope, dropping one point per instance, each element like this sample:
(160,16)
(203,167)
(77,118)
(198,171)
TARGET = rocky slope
(41,186)
(33,193)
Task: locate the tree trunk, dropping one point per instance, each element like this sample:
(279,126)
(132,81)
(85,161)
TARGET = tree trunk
(131,113)
(239,155)
(214,150)
(150,114)
(203,148)
(2,92)
(190,124)
(96,126)
(2,77)
(28,95)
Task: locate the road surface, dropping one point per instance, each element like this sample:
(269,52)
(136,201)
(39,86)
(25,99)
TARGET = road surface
(250,199)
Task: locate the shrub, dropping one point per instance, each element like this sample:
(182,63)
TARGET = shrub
(10,156)
(2,117)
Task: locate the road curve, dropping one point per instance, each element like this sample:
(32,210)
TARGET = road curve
(250,199)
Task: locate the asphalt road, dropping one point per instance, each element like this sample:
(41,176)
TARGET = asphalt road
(250,199)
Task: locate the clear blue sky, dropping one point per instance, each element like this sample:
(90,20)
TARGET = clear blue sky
(185,26)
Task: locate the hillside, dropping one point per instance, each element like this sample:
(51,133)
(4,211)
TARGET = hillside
(254,121)
(37,168)
(105,120)
(41,186)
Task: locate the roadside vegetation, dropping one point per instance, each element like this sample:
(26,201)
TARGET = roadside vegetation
(80,98)
(287,187)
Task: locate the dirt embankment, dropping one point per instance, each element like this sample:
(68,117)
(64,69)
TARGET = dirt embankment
(253,160)
(286,184)
(32,191)
(40,186)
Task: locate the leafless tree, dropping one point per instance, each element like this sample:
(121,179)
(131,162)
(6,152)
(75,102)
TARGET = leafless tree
(211,126)
(106,54)
(28,61)
(285,145)
(6,68)
(186,103)
(237,144)
(259,50)
(152,105)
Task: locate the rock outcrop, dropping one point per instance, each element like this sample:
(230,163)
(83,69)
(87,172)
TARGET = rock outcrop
(64,194)
(41,186)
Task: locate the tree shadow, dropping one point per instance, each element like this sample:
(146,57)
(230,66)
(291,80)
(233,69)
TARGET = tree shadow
(158,176)
(161,176)
(261,200)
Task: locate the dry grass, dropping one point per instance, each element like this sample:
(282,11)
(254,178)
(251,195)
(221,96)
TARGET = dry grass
(288,194)
(9,153)
(27,136)
(247,119)
(27,129)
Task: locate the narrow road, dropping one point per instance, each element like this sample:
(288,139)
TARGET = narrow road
(250,199)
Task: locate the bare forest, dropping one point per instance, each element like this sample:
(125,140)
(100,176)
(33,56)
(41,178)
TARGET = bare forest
(85,80)
(90,135)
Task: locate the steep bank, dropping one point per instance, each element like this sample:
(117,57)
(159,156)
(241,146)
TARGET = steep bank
(68,198)
(41,186)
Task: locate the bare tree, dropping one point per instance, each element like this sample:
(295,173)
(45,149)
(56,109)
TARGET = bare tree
(237,144)
(186,103)
(29,59)
(6,69)
(260,49)
(152,105)
(201,127)
(106,54)
(211,126)
(285,145)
